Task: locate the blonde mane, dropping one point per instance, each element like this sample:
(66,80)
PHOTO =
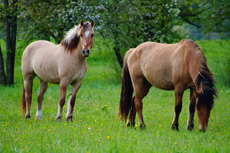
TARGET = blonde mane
(72,37)
(71,33)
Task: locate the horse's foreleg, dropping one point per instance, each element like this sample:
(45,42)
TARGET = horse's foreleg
(42,90)
(71,101)
(63,88)
(192,105)
(132,116)
(179,91)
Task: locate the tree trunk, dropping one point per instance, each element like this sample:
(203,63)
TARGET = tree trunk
(2,71)
(116,48)
(11,30)
(118,55)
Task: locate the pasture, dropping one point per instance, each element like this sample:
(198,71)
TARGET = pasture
(95,126)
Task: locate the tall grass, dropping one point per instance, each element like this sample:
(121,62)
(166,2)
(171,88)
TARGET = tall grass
(95,127)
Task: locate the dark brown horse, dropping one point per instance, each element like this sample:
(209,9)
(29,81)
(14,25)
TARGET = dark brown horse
(176,67)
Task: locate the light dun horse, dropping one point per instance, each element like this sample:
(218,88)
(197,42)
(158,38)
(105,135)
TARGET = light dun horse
(62,64)
(176,67)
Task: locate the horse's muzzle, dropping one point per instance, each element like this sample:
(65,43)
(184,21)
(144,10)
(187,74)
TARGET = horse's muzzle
(86,53)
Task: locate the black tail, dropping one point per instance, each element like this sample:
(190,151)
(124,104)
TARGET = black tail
(23,101)
(126,92)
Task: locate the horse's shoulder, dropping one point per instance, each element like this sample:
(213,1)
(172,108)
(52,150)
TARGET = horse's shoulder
(186,48)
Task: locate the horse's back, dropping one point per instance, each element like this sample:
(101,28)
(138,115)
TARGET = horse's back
(35,50)
(38,46)
(163,65)
(39,58)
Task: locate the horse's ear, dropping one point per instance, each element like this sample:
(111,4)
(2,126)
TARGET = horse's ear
(92,23)
(82,23)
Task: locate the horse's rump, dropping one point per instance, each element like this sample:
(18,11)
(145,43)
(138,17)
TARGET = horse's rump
(41,58)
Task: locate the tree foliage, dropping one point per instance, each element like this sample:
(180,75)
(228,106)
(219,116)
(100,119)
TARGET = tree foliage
(130,22)
(126,23)
(45,19)
(209,16)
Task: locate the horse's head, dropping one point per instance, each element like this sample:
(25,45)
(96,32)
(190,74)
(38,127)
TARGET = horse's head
(86,34)
(204,105)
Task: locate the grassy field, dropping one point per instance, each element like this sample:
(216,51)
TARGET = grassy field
(95,127)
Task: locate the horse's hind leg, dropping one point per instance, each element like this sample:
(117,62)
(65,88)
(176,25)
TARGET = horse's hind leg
(141,89)
(71,101)
(42,90)
(192,105)
(28,84)
(179,91)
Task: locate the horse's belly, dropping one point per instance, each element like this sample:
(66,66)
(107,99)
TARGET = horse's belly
(47,74)
(49,77)
(160,80)
(163,84)
(52,80)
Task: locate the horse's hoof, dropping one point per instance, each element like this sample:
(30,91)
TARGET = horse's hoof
(58,118)
(190,127)
(174,127)
(27,116)
(142,126)
(130,124)
(202,130)
(69,119)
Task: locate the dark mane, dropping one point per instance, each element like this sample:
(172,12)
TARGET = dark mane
(70,45)
(70,42)
(204,81)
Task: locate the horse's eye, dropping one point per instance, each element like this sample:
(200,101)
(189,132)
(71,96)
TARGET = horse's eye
(81,35)
(92,35)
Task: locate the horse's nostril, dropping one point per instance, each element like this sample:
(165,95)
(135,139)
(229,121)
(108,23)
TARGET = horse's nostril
(88,51)
(83,52)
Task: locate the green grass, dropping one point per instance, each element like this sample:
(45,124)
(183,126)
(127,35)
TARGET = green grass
(95,127)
